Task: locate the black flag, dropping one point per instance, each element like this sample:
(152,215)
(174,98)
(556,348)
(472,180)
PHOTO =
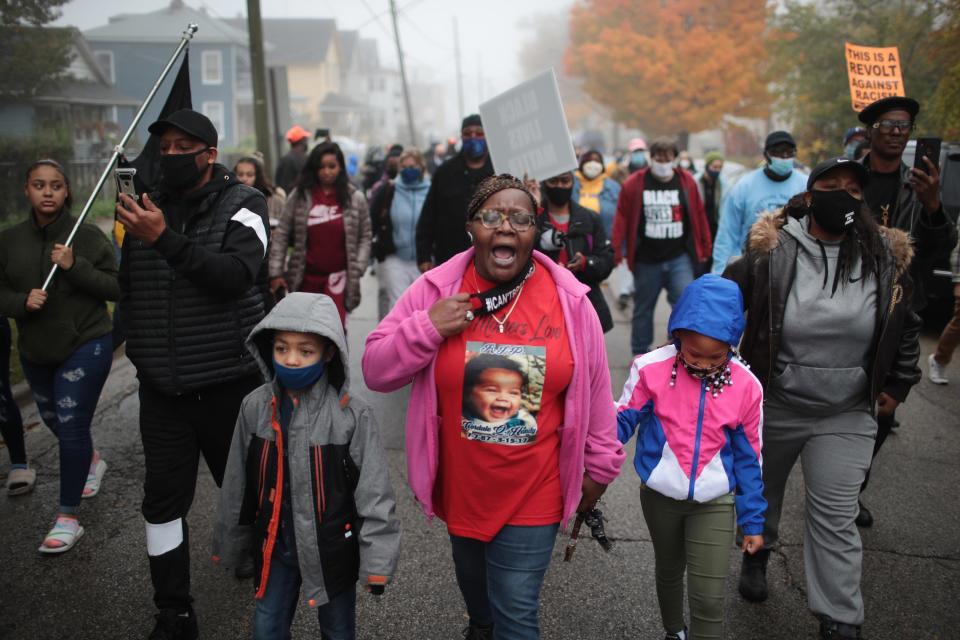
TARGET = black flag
(147,163)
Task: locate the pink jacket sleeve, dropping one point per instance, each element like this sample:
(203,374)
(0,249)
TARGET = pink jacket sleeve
(603,453)
(403,343)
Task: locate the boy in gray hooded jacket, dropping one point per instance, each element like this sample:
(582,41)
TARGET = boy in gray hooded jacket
(307,489)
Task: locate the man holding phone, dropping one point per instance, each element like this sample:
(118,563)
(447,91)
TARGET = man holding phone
(906,198)
(193,283)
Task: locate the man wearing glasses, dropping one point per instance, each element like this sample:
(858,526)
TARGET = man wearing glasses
(765,189)
(903,198)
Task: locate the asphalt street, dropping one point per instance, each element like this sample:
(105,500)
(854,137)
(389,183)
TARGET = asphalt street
(101,589)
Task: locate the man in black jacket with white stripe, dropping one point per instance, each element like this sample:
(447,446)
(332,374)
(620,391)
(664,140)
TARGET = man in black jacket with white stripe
(193,283)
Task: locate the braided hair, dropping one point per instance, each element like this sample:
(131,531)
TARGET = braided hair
(494,184)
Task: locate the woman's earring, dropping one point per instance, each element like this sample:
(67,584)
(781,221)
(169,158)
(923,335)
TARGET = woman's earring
(470,235)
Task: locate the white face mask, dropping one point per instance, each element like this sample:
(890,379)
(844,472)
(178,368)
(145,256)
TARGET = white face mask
(592,169)
(662,170)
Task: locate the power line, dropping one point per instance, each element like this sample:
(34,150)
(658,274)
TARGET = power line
(429,39)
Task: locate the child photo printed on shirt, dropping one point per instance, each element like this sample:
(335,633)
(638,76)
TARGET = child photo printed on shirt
(502,392)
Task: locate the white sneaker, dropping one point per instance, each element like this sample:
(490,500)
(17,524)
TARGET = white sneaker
(936,374)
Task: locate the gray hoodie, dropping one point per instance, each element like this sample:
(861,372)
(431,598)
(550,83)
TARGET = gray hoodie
(342,501)
(808,377)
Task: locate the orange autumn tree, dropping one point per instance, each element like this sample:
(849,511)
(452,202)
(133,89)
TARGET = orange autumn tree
(671,67)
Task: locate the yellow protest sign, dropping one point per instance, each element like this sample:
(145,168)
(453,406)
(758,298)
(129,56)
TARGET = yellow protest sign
(874,73)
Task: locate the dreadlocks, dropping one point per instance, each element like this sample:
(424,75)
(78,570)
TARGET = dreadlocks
(494,184)
(862,240)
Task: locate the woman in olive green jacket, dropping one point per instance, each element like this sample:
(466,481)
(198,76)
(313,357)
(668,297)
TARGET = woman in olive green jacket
(64,333)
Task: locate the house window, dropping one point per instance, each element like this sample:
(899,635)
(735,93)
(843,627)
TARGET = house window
(105,60)
(211,67)
(214,111)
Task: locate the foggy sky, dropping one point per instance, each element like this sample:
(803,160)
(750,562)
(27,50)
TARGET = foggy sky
(490,33)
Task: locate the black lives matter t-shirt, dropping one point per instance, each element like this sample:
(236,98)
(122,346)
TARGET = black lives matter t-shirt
(664,224)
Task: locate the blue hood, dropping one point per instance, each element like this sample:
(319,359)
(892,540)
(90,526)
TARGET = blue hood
(712,306)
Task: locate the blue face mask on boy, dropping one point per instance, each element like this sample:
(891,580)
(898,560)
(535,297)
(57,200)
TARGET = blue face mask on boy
(298,379)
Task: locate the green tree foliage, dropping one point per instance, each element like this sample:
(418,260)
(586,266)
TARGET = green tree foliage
(809,66)
(34,57)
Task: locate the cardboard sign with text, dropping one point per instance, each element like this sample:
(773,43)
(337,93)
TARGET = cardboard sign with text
(874,73)
(527,131)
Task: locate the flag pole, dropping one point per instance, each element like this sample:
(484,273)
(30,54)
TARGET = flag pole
(118,150)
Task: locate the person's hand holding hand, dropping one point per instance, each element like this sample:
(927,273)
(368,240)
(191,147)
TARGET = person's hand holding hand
(449,315)
(752,544)
(62,256)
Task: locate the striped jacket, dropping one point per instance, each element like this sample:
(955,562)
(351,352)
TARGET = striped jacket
(690,445)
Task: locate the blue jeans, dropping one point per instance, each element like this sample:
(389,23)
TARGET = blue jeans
(500,580)
(274,613)
(66,395)
(649,279)
(11,424)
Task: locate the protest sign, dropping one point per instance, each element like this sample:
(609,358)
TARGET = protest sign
(874,73)
(526,130)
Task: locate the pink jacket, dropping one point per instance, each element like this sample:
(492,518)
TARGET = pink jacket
(404,346)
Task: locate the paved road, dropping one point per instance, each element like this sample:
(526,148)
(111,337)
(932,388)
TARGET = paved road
(101,589)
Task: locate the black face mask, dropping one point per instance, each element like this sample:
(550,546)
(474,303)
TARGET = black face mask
(558,195)
(392,171)
(834,211)
(179,172)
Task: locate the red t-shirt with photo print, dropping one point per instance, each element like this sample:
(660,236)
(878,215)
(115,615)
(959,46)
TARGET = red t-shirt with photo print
(499,436)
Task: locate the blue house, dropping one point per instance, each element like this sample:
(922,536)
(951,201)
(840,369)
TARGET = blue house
(84,103)
(132,49)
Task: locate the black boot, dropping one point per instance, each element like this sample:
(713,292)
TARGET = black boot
(477,632)
(245,568)
(753,575)
(831,630)
(173,625)
(864,517)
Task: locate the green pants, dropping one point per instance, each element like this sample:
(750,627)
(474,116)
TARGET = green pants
(693,537)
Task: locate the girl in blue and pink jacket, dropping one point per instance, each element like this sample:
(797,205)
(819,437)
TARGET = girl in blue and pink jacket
(697,412)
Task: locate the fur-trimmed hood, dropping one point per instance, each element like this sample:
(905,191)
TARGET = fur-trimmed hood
(765,236)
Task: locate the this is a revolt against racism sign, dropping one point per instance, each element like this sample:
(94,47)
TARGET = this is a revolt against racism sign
(874,73)
(526,130)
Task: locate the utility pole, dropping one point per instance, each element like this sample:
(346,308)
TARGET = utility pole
(479,77)
(403,73)
(258,71)
(456,55)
